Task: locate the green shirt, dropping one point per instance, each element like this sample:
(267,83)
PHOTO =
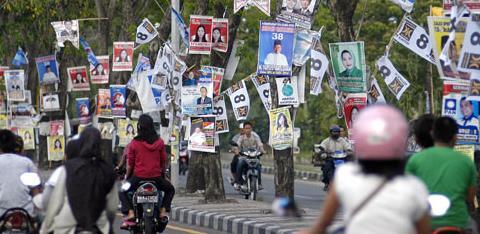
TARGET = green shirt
(449,173)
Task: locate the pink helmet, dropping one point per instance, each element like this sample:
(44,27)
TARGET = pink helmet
(380,133)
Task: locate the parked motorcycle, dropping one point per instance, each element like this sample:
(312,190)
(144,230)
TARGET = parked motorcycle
(183,159)
(251,175)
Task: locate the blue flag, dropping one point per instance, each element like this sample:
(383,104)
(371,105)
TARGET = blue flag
(20,58)
(182,28)
(90,55)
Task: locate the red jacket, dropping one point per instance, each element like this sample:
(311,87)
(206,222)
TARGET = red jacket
(147,160)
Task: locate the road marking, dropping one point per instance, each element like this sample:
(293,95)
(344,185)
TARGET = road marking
(305,197)
(186,230)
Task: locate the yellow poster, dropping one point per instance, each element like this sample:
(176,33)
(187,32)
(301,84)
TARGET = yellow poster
(281,128)
(468,150)
(3,121)
(127,130)
(56,147)
(28,138)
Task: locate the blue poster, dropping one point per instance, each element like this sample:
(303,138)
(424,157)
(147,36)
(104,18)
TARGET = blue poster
(117,95)
(197,92)
(157,95)
(47,68)
(83,110)
(275,50)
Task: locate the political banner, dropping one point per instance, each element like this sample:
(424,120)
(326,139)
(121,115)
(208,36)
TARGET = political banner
(143,64)
(220,112)
(202,134)
(396,83)
(281,128)
(99,75)
(240,100)
(197,93)
(179,67)
(78,77)
(440,29)
(56,147)
(118,97)
(467,150)
(67,31)
(233,60)
(318,67)
(354,103)
(472,5)
(83,110)
(145,32)
(470,56)
(262,5)
(163,64)
(3,121)
(92,59)
(15,82)
(415,38)
(299,12)
(50,102)
(406,5)
(220,35)
(22,114)
(262,84)
(349,67)
(146,96)
(47,68)
(200,34)
(28,137)
(106,130)
(455,104)
(217,77)
(303,44)
(104,104)
(287,90)
(275,52)
(375,94)
(159,81)
(181,27)
(20,58)
(126,131)
(474,93)
(122,56)
(57,128)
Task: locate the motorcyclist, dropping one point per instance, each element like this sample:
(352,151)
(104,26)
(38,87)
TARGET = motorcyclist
(248,140)
(335,146)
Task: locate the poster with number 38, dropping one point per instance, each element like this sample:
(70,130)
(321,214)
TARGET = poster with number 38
(275,49)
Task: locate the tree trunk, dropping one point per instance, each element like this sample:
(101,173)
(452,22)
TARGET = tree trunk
(213,177)
(196,172)
(342,11)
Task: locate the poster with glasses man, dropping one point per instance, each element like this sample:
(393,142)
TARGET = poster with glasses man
(275,49)
(299,12)
(66,31)
(197,93)
(348,62)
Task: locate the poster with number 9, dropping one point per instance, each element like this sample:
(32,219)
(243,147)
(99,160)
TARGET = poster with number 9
(275,52)
(470,56)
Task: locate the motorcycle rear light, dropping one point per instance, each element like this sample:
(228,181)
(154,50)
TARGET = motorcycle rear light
(16,220)
(147,189)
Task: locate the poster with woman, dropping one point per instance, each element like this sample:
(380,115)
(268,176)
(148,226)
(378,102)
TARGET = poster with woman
(104,103)
(348,62)
(354,102)
(118,94)
(281,128)
(127,130)
(15,81)
(78,78)
(56,147)
(275,49)
(99,74)
(47,68)
(202,134)
(28,138)
(200,34)
(123,56)
(220,35)
(83,110)
(197,93)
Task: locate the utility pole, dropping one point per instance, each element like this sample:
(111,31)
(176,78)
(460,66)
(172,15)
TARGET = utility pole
(175,145)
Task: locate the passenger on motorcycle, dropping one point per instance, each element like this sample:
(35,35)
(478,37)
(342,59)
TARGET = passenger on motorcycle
(248,140)
(147,160)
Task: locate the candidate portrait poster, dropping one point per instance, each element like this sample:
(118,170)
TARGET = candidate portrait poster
(123,56)
(473,6)
(281,128)
(275,49)
(28,137)
(200,34)
(127,130)
(22,115)
(197,93)
(57,128)
(299,12)
(99,74)
(349,67)
(104,103)
(118,97)
(50,102)
(56,148)
(354,103)
(15,82)
(220,35)
(83,110)
(78,78)
(47,68)
(67,31)
(202,134)
(217,78)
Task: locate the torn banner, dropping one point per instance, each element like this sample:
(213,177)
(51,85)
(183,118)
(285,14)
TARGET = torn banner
(397,84)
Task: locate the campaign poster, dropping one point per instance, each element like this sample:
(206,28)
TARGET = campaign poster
(106,130)
(220,112)
(220,35)
(456,104)
(396,83)
(200,34)
(318,67)
(67,31)
(50,102)
(375,94)
(3,121)
(415,38)
(118,97)
(275,49)
(473,6)
(281,128)
(122,56)
(28,137)
(303,44)
(299,12)
(22,114)
(146,31)
(15,82)
(56,148)
(474,92)
(104,104)
(78,78)
(354,102)
(197,93)
(469,60)
(240,100)
(179,68)
(406,5)
(217,78)
(99,74)
(440,28)
(159,81)
(127,130)
(57,128)
(143,64)
(287,88)
(202,134)
(262,84)
(47,68)
(348,62)
(83,110)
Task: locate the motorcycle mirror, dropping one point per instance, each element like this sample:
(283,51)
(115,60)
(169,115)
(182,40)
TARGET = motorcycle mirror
(125,186)
(439,204)
(31,179)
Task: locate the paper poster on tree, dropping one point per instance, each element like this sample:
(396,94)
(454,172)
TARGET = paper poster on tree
(281,128)
(348,62)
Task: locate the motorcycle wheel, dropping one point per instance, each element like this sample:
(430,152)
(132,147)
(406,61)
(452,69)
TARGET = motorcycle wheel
(149,225)
(253,188)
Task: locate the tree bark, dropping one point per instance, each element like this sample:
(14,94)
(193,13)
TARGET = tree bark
(342,11)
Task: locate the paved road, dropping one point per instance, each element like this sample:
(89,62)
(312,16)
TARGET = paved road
(172,228)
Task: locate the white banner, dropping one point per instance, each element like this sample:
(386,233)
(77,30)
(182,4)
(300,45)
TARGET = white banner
(145,32)
(318,67)
(262,85)
(179,67)
(163,64)
(287,90)
(220,111)
(470,56)
(263,5)
(375,94)
(397,84)
(233,61)
(240,100)
(406,5)
(67,31)
(415,38)
(301,84)
(146,97)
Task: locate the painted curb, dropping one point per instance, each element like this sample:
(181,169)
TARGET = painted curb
(314,176)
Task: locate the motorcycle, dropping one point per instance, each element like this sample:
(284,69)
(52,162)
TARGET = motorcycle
(252,157)
(183,159)
(328,161)
(145,206)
